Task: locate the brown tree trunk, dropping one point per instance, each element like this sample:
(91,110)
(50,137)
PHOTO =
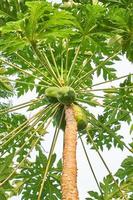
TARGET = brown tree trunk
(69,173)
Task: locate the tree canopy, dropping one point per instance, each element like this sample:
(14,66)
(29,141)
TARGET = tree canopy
(45,45)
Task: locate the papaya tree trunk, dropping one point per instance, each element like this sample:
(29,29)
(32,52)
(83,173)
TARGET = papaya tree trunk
(69,172)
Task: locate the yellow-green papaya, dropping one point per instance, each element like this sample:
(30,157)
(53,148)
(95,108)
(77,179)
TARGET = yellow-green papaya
(51,94)
(66,95)
(80,117)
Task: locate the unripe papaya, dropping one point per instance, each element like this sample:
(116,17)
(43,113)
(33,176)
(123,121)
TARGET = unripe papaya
(80,117)
(51,94)
(66,95)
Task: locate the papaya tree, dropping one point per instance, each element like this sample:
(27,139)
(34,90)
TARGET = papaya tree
(55,50)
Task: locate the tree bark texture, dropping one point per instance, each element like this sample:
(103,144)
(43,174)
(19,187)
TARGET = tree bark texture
(69,172)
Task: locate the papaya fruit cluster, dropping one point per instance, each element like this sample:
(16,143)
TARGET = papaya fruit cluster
(65,95)
(79,114)
(80,117)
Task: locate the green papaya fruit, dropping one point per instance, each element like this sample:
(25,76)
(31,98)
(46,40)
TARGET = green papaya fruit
(66,95)
(51,94)
(80,117)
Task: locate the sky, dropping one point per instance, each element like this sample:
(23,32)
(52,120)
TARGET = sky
(113,157)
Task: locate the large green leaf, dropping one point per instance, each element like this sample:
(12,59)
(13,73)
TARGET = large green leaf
(110,189)
(32,175)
